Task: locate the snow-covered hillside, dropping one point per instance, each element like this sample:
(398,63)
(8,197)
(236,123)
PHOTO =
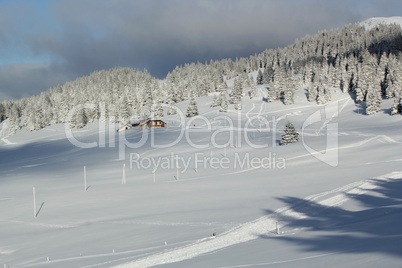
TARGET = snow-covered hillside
(215,190)
(287,206)
(373,22)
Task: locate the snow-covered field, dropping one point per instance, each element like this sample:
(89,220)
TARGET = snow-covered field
(278,205)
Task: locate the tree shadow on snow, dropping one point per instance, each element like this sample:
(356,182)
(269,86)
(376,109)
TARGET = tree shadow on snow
(39,210)
(373,225)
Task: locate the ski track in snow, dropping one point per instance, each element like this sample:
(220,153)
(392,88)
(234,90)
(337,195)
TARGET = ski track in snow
(37,224)
(4,251)
(175,224)
(380,138)
(263,226)
(7,142)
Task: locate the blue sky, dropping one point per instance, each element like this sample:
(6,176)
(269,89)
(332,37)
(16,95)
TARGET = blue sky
(44,43)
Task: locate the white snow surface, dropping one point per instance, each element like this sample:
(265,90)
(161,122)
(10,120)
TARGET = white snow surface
(304,214)
(375,21)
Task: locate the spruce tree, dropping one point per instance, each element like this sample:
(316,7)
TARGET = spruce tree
(124,110)
(171,110)
(323,95)
(288,96)
(290,135)
(260,78)
(397,107)
(158,110)
(224,103)
(312,93)
(252,92)
(268,75)
(289,88)
(245,85)
(237,91)
(14,125)
(215,101)
(192,109)
(238,105)
(79,118)
(373,101)
(14,117)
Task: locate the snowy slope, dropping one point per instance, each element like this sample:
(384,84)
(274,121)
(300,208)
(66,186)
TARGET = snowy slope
(373,22)
(323,212)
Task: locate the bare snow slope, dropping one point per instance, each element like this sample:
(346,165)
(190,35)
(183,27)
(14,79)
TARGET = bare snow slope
(167,218)
(268,226)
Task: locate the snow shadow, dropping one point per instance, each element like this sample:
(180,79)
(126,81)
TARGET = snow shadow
(370,223)
(39,210)
(31,154)
(51,157)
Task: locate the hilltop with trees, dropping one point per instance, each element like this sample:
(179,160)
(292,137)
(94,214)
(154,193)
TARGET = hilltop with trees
(363,60)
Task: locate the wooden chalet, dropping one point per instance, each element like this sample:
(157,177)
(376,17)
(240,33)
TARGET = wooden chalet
(155,123)
(144,124)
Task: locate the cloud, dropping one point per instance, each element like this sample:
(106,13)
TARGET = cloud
(31,77)
(79,37)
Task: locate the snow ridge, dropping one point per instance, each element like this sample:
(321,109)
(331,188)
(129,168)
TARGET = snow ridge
(374,22)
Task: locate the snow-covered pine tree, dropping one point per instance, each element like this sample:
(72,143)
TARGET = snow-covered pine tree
(224,103)
(246,83)
(79,118)
(373,101)
(252,92)
(345,76)
(312,93)
(308,77)
(279,84)
(288,96)
(322,81)
(394,86)
(383,70)
(147,97)
(14,125)
(323,95)
(272,94)
(237,91)
(268,75)
(360,94)
(368,76)
(215,101)
(290,134)
(238,105)
(192,109)
(14,114)
(171,109)
(289,88)
(260,77)
(30,122)
(124,110)
(397,107)
(158,110)
(39,119)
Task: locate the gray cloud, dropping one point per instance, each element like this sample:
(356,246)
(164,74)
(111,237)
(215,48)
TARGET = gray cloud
(25,79)
(73,38)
